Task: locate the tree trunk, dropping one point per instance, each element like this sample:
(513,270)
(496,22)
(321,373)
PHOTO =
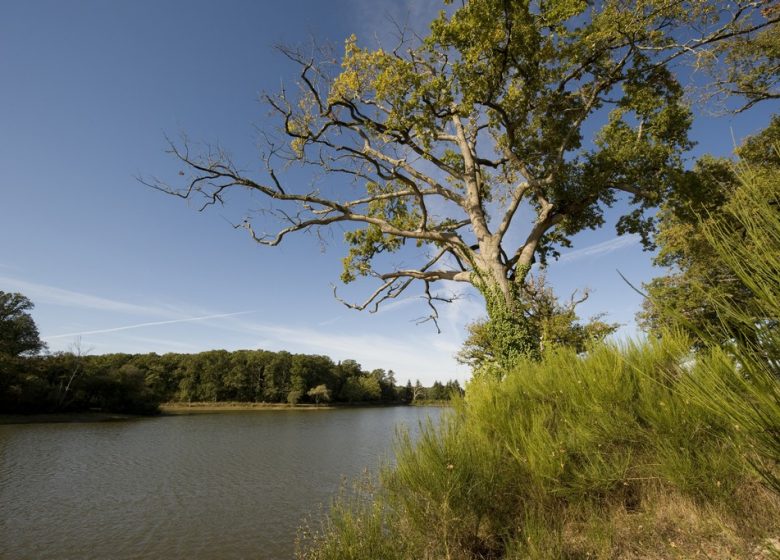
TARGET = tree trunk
(511,334)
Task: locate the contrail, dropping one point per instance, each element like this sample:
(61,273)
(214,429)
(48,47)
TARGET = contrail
(139,325)
(42,293)
(601,248)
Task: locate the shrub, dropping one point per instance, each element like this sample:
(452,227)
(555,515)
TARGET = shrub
(538,463)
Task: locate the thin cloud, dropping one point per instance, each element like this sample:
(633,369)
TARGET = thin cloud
(150,324)
(603,248)
(394,305)
(370,22)
(416,353)
(42,293)
(126,344)
(146,344)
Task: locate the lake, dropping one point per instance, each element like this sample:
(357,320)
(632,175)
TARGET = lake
(228,485)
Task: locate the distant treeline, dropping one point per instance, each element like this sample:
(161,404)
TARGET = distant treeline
(138,383)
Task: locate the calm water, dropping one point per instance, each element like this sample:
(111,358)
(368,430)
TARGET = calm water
(233,485)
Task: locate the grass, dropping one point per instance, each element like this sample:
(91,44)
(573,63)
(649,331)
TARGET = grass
(600,456)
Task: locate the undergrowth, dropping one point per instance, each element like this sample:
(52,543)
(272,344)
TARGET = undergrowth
(601,456)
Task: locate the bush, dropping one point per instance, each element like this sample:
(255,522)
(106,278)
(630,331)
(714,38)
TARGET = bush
(541,464)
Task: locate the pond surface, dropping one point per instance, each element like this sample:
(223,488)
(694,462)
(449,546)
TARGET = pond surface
(230,485)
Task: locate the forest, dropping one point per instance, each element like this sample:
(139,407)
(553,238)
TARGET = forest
(138,383)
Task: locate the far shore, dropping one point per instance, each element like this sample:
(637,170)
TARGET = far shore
(67,417)
(178,408)
(185,408)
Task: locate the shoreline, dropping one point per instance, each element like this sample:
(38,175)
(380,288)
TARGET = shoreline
(183,408)
(178,409)
(69,417)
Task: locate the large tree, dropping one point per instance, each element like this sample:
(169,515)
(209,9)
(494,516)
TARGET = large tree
(445,145)
(19,339)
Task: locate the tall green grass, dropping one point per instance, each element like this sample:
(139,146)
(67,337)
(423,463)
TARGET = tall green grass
(751,398)
(539,463)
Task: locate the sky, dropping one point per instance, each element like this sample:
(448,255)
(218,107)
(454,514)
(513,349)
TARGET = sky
(88,92)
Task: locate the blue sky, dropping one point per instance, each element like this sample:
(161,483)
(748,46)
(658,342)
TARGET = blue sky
(89,89)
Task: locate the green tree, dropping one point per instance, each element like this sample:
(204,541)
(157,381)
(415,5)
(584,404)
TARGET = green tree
(18,332)
(386,380)
(277,377)
(294,396)
(750,327)
(319,393)
(408,392)
(370,388)
(343,372)
(551,323)
(18,339)
(453,389)
(309,371)
(737,325)
(698,278)
(438,392)
(444,140)
(747,68)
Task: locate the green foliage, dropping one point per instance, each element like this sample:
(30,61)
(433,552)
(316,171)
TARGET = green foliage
(537,463)
(319,393)
(139,383)
(751,69)
(18,338)
(739,240)
(535,76)
(18,332)
(438,393)
(355,529)
(747,328)
(685,252)
(651,450)
(708,196)
(507,335)
(538,322)
(360,389)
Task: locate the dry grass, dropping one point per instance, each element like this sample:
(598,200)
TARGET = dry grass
(673,526)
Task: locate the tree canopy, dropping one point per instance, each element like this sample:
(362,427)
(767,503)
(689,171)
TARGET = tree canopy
(18,332)
(138,383)
(554,323)
(752,70)
(698,278)
(443,146)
